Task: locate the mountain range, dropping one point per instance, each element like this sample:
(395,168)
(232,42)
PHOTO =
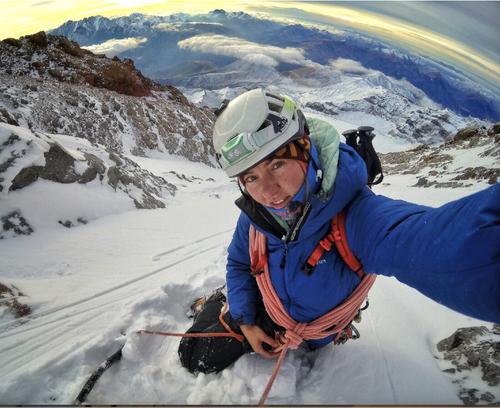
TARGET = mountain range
(187,50)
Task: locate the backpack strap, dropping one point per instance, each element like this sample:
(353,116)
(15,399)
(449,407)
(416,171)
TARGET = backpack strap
(338,237)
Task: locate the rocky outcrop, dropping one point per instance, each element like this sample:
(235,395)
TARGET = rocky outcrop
(63,60)
(9,299)
(435,166)
(126,174)
(470,349)
(126,124)
(14,224)
(30,156)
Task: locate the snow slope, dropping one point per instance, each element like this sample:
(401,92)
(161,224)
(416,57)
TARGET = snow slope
(92,287)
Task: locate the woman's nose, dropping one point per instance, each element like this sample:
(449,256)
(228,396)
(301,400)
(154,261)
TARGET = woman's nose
(270,186)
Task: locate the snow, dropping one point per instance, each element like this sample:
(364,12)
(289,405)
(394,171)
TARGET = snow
(92,287)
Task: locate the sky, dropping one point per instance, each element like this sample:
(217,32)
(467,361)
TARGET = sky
(462,34)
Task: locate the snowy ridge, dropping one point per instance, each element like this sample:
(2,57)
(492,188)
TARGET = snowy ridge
(399,111)
(141,270)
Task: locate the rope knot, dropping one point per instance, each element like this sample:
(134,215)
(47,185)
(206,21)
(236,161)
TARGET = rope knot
(295,336)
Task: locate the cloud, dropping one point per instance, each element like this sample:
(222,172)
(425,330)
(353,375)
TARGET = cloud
(116,46)
(186,25)
(245,50)
(348,66)
(168,26)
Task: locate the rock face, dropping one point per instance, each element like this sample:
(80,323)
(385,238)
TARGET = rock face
(66,166)
(27,157)
(436,167)
(469,349)
(49,84)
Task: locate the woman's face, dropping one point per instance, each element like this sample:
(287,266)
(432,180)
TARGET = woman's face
(274,182)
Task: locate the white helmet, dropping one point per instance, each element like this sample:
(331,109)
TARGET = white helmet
(252,127)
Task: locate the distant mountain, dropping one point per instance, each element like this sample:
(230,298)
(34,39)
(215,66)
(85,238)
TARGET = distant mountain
(161,58)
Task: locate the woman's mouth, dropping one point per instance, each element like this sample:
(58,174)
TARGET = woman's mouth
(279,203)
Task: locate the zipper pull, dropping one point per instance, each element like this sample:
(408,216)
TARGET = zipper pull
(283,258)
(319,175)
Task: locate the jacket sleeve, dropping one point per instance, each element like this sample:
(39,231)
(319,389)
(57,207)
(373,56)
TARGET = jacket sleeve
(241,286)
(450,253)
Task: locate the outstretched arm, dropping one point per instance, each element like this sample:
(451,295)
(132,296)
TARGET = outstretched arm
(450,253)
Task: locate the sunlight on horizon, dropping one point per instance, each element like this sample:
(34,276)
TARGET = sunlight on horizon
(404,34)
(32,16)
(36,15)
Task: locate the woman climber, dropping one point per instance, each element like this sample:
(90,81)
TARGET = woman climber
(290,276)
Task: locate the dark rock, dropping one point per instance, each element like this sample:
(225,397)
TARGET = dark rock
(69,47)
(468,396)
(6,117)
(113,156)
(496,128)
(478,173)
(422,182)
(7,163)
(13,294)
(67,223)
(467,349)
(491,372)
(39,39)
(59,166)
(115,176)
(25,177)
(82,220)
(16,223)
(96,166)
(466,133)
(12,41)
(488,397)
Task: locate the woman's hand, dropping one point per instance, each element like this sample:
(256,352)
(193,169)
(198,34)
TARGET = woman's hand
(256,336)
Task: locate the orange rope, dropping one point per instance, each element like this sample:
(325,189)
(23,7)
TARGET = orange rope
(230,333)
(333,322)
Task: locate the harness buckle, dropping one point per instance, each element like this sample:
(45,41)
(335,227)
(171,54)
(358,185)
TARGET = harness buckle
(307,269)
(325,244)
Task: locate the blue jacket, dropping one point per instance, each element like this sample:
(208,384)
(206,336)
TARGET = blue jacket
(450,254)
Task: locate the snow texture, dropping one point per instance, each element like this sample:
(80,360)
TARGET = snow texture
(91,288)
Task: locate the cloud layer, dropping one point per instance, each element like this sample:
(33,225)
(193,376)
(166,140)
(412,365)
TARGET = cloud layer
(245,50)
(116,46)
(348,66)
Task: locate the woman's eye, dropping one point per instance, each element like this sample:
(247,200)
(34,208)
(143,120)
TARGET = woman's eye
(250,179)
(277,164)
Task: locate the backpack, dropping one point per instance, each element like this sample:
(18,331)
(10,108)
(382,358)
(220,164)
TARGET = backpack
(360,139)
